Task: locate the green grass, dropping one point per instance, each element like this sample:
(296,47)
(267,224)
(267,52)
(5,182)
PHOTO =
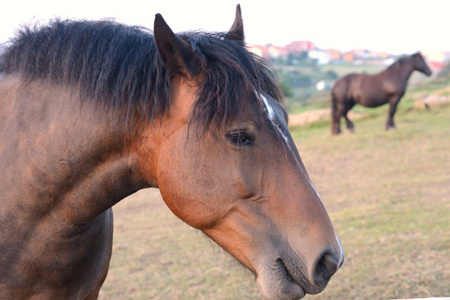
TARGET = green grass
(387,193)
(345,68)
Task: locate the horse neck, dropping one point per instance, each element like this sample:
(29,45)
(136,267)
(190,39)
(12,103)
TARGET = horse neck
(402,71)
(76,157)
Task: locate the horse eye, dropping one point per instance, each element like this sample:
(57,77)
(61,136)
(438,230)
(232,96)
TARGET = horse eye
(240,138)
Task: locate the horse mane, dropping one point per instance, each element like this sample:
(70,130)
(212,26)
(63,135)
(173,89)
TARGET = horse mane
(400,61)
(118,66)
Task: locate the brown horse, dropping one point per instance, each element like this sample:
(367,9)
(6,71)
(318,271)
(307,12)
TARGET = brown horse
(387,86)
(91,112)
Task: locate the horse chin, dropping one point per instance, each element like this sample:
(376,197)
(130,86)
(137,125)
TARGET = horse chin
(275,282)
(280,289)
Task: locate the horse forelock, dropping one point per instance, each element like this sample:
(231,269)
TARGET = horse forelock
(232,76)
(118,66)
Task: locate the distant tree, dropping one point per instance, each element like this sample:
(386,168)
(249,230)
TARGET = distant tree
(292,59)
(287,90)
(331,75)
(302,58)
(296,79)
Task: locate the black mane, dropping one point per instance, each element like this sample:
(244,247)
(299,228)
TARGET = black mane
(401,61)
(118,66)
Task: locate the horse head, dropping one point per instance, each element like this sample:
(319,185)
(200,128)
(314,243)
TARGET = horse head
(236,174)
(420,64)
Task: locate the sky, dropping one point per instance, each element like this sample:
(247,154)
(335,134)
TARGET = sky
(394,26)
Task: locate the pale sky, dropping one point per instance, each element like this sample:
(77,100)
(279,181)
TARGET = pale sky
(395,26)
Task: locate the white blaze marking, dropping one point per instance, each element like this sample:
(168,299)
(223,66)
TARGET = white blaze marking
(271,115)
(269,108)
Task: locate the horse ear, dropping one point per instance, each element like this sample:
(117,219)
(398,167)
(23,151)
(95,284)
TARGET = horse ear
(236,32)
(176,54)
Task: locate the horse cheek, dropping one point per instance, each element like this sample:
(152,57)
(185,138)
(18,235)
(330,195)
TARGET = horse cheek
(185,191)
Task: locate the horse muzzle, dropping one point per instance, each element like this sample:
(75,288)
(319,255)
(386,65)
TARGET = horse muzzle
(288,277)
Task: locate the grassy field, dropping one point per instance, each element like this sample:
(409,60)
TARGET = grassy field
(387,193)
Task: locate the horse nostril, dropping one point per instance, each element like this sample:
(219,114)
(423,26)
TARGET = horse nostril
(326,267)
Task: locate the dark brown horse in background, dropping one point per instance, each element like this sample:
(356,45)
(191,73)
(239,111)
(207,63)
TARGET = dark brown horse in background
(387,86)
(91,112)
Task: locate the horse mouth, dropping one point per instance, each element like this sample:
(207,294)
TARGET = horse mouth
(285,279)
(290,276)
(281,282)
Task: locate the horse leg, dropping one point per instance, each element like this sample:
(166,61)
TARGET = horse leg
(390,121)
(335,122)
(350,125)
(94,294)
(336,113)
